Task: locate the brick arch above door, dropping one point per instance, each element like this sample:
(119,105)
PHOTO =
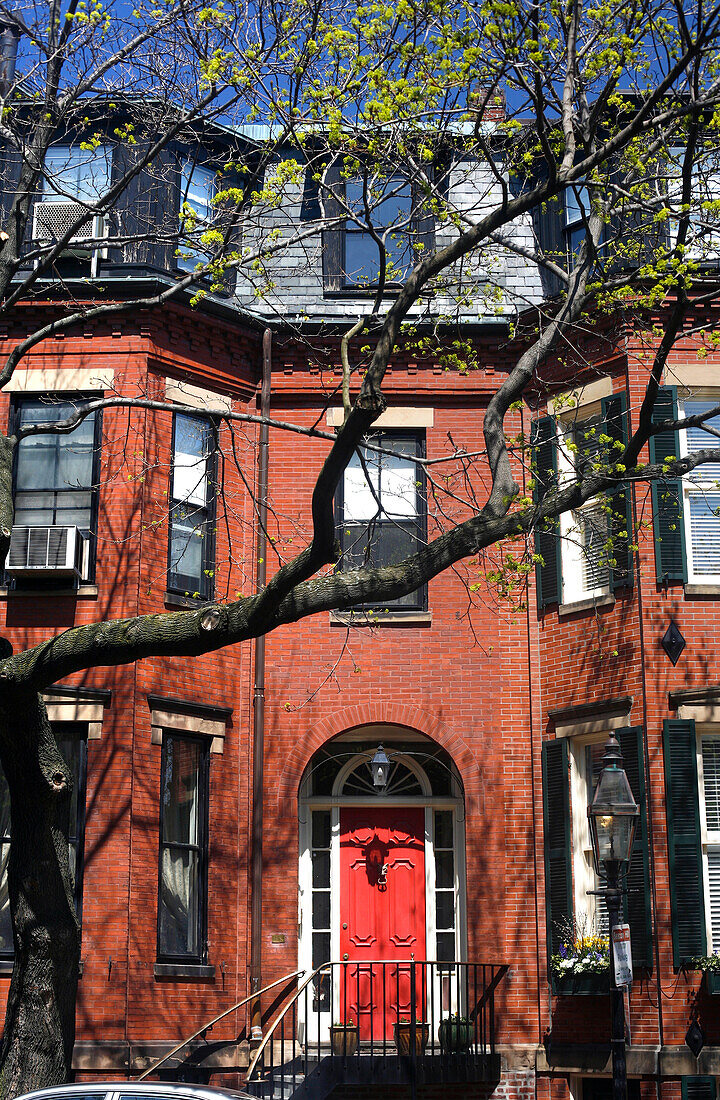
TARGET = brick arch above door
(374,714)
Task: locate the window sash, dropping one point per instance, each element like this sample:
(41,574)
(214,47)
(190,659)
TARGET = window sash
(361,256)
(183,849)
(77,175)
(701,497)
(191,541)
(197,190)
(395,506)
(584,531)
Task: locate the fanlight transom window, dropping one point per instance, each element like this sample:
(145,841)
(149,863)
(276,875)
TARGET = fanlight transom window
(401,780)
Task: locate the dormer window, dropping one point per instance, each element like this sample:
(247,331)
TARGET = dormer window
(197,191)
(390,207)
(73,174)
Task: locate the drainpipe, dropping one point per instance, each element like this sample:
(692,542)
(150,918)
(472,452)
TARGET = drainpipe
(9,36)
(259,704)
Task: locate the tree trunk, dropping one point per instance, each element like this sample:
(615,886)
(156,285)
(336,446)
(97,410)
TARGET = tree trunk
(39,1031)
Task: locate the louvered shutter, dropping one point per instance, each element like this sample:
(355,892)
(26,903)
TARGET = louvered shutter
(332,237)
(698,1088)
(549,226)
(547,540)
(132,211)
(667,500)
(556,825)
(637,880)
(614,412)
(711,785)
(687,896)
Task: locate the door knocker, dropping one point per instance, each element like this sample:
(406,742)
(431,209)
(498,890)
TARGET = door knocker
(382,878)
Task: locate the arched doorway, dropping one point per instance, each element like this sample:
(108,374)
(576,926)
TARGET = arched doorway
(382,875)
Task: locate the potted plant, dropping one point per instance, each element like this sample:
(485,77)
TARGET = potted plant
(455,1033)
(403,1035)
(344,1038)
(710,966)
(581,966)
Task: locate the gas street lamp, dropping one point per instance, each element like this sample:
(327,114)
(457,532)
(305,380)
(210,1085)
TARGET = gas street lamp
(613,815)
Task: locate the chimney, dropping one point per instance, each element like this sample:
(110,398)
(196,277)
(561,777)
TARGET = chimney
(9,38)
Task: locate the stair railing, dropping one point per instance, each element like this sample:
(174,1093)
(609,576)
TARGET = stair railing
(279,1020)
(211,1023)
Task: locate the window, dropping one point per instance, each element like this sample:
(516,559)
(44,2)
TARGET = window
(56,476)
(584,532)
(181,926)
(390,204)
(77,175)
(192,507)
(320,855)
(578,202)
(701,496)
(703,240)
(381,509)
(709,774)
(72,741)
(197,191)
(590,911)
(445,886)
(588,551)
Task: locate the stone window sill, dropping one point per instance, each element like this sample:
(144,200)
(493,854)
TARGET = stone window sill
(6,967)
(84,592)
(586,605)
(702,590)
(175,599)
(389,618)
(189,971)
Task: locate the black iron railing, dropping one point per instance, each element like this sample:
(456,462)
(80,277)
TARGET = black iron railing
(368,1021)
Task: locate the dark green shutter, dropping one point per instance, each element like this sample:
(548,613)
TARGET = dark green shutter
(667,499)
(687,894)
(614,411)
(637,879)
(549,226)
(698,1088)
(333,237)
(547,540)
(556,825)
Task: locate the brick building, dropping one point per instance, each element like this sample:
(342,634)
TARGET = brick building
(476,855)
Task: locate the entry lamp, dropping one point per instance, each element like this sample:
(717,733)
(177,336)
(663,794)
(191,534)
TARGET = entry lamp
(613,812)
(380,768)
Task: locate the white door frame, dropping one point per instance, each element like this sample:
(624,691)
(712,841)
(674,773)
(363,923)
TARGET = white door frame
(334,804)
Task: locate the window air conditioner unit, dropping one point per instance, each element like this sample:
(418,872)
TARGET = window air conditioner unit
(51,220)
(46,552)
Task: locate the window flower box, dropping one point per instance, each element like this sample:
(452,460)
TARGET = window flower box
(581,967)
(712,982)
(581,985)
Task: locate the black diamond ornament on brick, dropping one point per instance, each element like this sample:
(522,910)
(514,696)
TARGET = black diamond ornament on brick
(673,642)
(695,1038)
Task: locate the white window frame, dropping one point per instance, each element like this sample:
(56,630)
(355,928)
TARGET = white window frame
(572,554)
(709,839)
(696,482)
(584,874)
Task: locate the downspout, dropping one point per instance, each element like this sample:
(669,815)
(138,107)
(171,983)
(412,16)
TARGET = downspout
(259,703)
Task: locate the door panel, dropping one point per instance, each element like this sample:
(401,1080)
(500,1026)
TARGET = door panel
(382,907)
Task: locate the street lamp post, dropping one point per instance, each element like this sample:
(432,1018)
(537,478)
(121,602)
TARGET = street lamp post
(613,815)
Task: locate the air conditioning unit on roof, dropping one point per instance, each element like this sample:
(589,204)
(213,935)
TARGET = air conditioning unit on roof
(46,552)
(51,221)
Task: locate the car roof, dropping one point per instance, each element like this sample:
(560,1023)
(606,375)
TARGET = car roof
(176,1089)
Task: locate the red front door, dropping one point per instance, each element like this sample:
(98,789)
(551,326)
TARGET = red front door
(382,914)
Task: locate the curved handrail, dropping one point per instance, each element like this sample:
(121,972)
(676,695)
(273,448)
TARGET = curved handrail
(206,1027)
(266,1038)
